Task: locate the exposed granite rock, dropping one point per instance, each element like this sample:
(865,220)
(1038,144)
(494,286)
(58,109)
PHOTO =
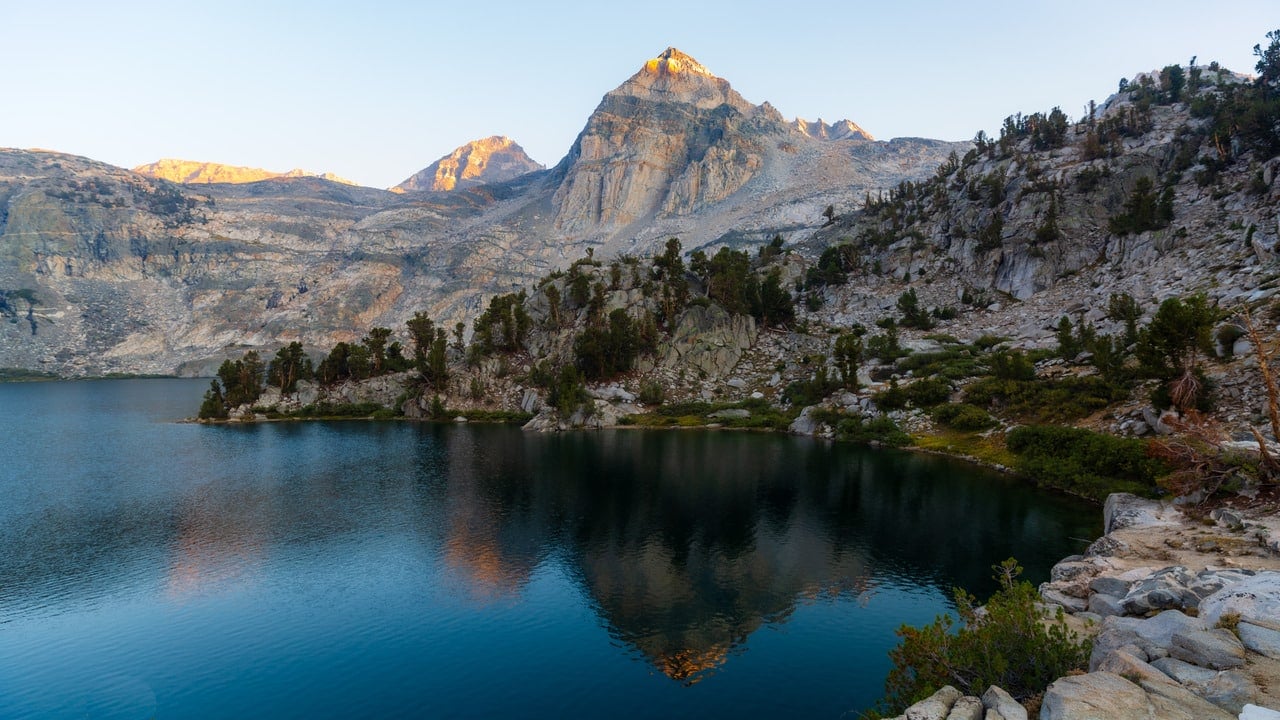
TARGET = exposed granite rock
(997,700)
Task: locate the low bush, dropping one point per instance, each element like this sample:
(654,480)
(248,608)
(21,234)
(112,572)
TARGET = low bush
(963,416)
(1084,462)
(1044,401)
(1010,642)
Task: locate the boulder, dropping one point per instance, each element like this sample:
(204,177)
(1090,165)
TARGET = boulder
(1229,689)
(730,413)
(967,708)
(1057,597)
(805,424)
(1109,585)
(1123,510)
(1152,635)
(935,707)
(1176,587)
(997,700)
(1218,648)
(1253,712)
(1126,664)
(1105,605)
(1262,640)
(1096,696)
(1171,701)
(1256,600)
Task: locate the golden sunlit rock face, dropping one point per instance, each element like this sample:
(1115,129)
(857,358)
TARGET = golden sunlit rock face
(193,172)
(492,159)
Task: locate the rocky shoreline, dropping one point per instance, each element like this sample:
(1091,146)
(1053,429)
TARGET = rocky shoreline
(1184,615)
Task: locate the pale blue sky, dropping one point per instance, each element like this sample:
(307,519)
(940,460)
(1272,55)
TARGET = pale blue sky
(374,91)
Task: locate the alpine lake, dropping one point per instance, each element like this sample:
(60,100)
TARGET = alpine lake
(362,569)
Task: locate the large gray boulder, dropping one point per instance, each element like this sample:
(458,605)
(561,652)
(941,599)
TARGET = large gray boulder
(996,699)
(1177,587)
(1261,640)
(1256,600)
(1096,696)
(967,708)
(1218,648)
(1152,636)
(1227,689)
(935,707)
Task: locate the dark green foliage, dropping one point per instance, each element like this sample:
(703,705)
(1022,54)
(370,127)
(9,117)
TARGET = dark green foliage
(1143,210)
(951,364)
(922,393)
(963,416)
(1068,345)
(881,430)
(833,266)
(673,292)
(503,325)
(848,357)
(730,282)
(435,366)
(1180,331)
(651,393)
(290,365)
(1011,365)
(1268,66)
(602,351)
(1084,462)
(336,366)
(567,392)
(1010,644)
(1121,307)
(213,407)
(773,304)
(913,315)
(991,236)
(813,390)
(376,343)
(241,380)
(886,346)
(1172,82)
(1045,401)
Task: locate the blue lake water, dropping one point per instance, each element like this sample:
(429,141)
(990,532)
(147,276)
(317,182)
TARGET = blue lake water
(391,569)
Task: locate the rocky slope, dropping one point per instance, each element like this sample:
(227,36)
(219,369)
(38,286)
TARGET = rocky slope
(112,271)
(193,172)
(491,160)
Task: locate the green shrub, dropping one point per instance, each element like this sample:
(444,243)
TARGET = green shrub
(651,393)
(1044,401)
(883,430)
(963,416)
(928,392)
(1084,462)
(1011,644)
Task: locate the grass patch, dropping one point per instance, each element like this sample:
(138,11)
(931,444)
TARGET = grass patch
(514,417)
(13,374)
(990,449)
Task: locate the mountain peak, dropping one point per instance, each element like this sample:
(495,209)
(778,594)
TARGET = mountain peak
(674,62)
(492,159)
(674,77)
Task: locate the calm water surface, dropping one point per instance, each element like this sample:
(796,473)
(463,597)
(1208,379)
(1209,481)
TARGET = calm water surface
(387,570)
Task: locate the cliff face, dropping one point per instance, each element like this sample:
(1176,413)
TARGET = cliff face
(491,160)
(191,172)
(675,140)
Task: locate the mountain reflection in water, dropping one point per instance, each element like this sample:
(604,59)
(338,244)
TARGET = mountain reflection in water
(419,563)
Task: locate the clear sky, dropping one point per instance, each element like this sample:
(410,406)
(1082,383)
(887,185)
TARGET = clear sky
(374,91)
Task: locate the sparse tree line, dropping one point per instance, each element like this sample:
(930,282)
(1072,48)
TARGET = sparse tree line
(1240,123)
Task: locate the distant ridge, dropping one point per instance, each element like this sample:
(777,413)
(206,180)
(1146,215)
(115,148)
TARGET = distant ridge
(190,172)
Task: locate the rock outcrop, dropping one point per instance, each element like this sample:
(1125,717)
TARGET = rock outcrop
(489,160)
